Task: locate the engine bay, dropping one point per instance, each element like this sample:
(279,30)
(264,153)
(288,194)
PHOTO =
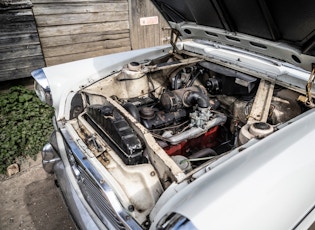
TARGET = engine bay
(193,110)
(174,115)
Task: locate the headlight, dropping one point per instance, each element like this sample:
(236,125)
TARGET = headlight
(41,86)
(175,221)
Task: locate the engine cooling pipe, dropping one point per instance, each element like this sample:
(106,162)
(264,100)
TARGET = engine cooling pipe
(197,98)
(185,97)
(203,153)
(194,132)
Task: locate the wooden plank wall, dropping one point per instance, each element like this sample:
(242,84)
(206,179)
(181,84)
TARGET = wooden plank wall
(143,36)
(20,50)
(76,29)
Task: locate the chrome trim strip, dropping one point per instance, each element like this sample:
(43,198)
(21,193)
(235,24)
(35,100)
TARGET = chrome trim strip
(103,186)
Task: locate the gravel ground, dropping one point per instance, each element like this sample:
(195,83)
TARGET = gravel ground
(30,200)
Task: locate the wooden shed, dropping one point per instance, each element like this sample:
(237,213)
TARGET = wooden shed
(20,50)
(70,30)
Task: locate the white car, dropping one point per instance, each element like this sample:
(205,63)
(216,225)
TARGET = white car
(214,131)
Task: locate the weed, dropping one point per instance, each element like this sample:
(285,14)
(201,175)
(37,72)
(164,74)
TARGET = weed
(25,124)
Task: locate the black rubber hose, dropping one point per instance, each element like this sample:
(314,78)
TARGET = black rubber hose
(197,98)
(200,71)
(133,110)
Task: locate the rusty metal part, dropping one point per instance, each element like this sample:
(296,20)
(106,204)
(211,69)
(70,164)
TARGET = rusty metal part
(261,105)
(174,37)
(259,114)
(307,99)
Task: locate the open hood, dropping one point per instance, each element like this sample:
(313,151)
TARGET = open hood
(281,29)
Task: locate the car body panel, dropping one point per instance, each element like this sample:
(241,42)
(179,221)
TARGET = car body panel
(268,185)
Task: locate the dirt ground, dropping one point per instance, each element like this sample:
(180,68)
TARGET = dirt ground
(30,200)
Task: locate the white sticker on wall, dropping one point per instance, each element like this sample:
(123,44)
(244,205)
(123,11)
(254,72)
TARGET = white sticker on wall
(145,21)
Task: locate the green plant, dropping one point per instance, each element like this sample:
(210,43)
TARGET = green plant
(25,124)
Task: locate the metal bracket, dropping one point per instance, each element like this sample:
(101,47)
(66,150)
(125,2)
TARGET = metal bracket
(92,140)
(307,99)
(174,37)
(260,109)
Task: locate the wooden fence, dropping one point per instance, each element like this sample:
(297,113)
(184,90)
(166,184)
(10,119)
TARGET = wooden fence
(20,50)
(74,29)
(149,34)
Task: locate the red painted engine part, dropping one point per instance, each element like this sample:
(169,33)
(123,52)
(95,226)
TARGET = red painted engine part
(207,140)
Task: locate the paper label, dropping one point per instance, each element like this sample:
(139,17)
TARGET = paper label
(145,21)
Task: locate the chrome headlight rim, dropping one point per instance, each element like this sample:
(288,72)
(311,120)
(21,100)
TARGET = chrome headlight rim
(41,86)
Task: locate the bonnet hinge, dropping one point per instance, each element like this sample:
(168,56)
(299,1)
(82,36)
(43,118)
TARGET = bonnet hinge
(307,99)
